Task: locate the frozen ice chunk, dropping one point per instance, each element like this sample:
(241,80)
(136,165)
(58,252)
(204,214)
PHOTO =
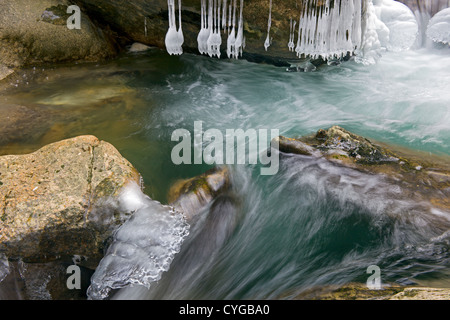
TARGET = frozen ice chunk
(438,28)
(142,248)
(401,23)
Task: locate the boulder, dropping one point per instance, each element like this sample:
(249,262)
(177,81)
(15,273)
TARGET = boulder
(56,201)
(358,291)
(422,178)
(34,32)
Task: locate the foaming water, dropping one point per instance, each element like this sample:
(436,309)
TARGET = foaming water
(314,223)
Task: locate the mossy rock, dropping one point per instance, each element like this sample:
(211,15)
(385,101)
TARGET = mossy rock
(191,195)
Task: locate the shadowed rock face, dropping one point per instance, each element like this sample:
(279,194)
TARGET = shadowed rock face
(128,18)
(421,178)
(56,201)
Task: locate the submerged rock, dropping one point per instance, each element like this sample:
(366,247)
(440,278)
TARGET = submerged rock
(55,202)
(22,122)
(191,195)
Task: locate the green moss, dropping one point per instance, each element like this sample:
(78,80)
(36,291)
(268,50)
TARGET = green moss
(105,188)
(411,293)
(56,15)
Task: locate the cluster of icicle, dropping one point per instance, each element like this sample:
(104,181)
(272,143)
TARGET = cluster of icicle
(328,29)
(215,16)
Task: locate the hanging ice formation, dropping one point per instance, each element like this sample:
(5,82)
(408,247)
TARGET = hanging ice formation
(327,29)
(213,18)
(174,38)
(269,24)
(291,44)
(331,29)
(214,39)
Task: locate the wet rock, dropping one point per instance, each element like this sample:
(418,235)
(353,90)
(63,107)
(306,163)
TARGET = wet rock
(359,148)
(43,281)
(418,293)
(55,203)
(5,71)
(291,145)
(422,178)
(191,195)
(139,47)
(33,32)
(357,291)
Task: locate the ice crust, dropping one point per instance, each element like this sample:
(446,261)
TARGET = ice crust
(142,248)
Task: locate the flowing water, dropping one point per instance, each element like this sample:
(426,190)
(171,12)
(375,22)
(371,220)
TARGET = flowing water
(312,223)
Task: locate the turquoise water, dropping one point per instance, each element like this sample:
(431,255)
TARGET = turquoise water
(298,228)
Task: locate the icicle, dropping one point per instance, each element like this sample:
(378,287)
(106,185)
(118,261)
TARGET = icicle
(217,35)
(174,38)
(291,44)
(211,21)
(240,33)
(205,30)
(328,29)
(214,40)
(180,38)
(145,26)
(269,24)
(231,40)
(224,15)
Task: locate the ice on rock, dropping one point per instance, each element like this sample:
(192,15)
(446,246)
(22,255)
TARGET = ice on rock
(374,32)
(438,28)
(142,248)
(174,38)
